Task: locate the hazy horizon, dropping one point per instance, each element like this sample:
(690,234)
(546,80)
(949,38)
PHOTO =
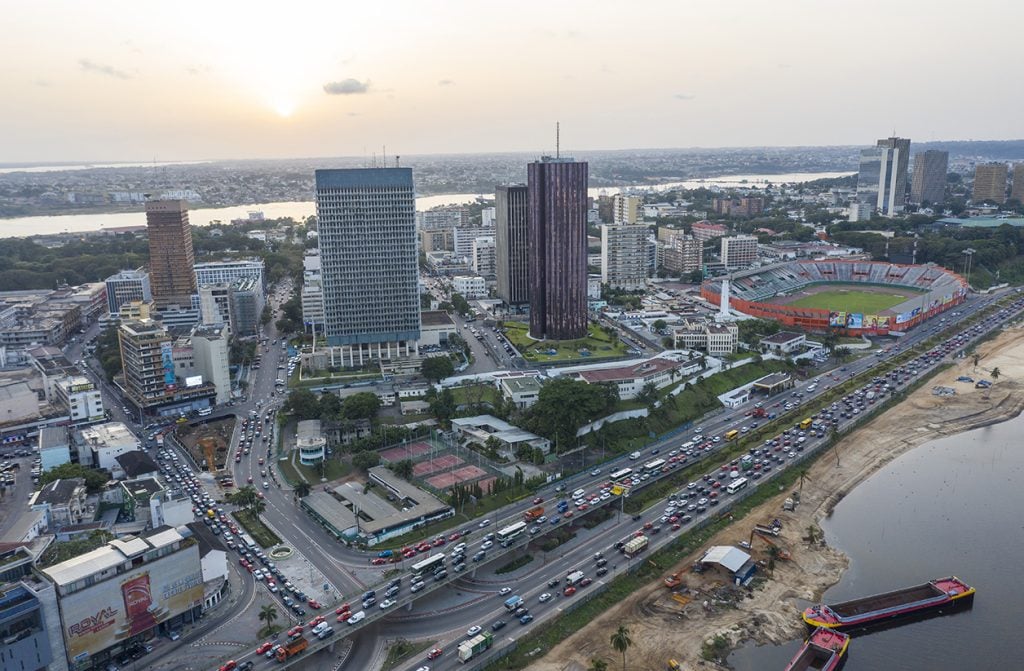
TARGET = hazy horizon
(206,81)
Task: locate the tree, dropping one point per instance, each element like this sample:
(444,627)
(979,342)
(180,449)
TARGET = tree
(95,479)
(598,665)
(977,358)
(996,373)
(460,304)
(303,404)
(330,406)
(268,614)
(302,489)
(437,368)
(363,405)
(366,460)
(659,325)
(621,642)
(442,406)
(403,469)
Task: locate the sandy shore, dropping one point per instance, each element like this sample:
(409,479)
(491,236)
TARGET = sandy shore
(662,628)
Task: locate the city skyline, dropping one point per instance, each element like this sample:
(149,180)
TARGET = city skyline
(194,82)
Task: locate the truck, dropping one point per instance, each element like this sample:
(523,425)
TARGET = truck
(806,424)
(513,602)
(471,648)
(574,577)
(533,513)
(746,462)
(635,546)
(291,648)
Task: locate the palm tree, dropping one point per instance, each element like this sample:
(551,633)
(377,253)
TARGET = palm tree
(268,614)
(976,359)
(302,490)
(598,665)
(257,507)
(803,476)
(621,641)
(995,373)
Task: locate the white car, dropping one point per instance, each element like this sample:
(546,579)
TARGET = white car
(486,545)
(484,523)
(386,603)
(473,631)
(504,590)
(545,597)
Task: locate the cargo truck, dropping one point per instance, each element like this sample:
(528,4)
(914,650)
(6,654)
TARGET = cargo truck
(635,546)
(533,513)
(291,648)
(513,602)
(574,577)
(474,646)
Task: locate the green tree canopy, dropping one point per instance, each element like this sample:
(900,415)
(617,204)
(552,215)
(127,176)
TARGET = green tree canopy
(95,478)
(366,460)
(363,405)
(437,368)
(564,405)
(303,404)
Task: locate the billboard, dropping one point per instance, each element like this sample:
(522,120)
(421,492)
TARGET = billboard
(167,361)
(837,319)
(128,604)
(194,381)
(876,321)
(854,320)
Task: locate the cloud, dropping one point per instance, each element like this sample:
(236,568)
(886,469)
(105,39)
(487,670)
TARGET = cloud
(42,83)
(446,82)
(684,96)
(102,69)
(196,70)
(346,87)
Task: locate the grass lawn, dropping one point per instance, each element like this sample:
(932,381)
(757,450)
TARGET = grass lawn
(333,470)
(854,300)
(597,344)
(402,650)
(256,528)
(476,393)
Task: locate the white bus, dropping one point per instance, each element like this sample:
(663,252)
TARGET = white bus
(511,531)
(428,564)
(621,473)
(736,485)
(654,465)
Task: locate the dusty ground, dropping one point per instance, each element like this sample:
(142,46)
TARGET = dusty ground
(661,628)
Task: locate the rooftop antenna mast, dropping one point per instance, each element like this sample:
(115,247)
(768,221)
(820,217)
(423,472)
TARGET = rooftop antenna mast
(558,139)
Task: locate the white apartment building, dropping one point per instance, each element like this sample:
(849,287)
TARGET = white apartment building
(210,352)
(484,256)
(626,209)
(470,287)
(81,397)
(310,442)
(739,251)
(624,258)
(226,272)
(107,442)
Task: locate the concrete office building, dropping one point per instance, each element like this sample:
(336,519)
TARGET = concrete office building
(739,251)
(210,351)
(989,183)
(369,262)
(929,183)
(217,272)
(624,261)
(81,398)
(125,287)
(465,236)
(625,209)
(146,351)
(246,306)
(511,248)
(171,259)
(680,253)
(882,178)
(1017,191)
(483,256)
(215,303)
(557,219)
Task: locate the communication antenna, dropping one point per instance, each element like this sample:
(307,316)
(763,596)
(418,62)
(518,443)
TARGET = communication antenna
(396,159)
(558,139)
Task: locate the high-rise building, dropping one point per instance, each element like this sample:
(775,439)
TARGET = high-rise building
(680,253)
(882,180)
(624,256)
(171,259)
(557,220)
(704,231)
(215,303)
(989,183)
(465,236)
(215,272)
(210,351)
(483,256)
(368,258)
(1017,192)
(146,356)
(739,251)
(929,183)
(511,248)
(625,209)
(127,286)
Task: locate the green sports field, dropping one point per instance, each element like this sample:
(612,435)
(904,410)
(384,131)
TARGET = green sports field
(854,300)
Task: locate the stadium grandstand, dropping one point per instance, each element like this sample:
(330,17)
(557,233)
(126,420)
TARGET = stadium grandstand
(855,297)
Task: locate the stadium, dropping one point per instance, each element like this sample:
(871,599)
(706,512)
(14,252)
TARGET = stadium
(852,297)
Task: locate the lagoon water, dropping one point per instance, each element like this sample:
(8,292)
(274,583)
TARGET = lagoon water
(951,506)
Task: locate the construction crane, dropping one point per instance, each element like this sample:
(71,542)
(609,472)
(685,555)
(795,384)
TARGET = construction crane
(780,552)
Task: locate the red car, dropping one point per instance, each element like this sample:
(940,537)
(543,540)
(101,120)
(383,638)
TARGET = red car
(263,648)
(676,527)
(423,547)
(537,500)
(261,461)
(567,514)
(585,582)
(378,561)
(410,554)
(438,542)
(249,479)
(344,608)
(315,605)
(454,537)
(242,561)
(569,591)
(295,631)
(648,525)
(435,653)
(228,666)
(316,620)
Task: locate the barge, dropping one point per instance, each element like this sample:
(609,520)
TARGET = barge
(822,651)
(880,607)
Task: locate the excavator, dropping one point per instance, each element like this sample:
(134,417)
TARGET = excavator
(781,552)
(674,580)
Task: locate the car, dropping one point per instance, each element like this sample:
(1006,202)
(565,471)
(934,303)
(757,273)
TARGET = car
(435,653)
(386,603)
(262,650)
(504,590)
(295,631)
(569,591)
(269,654)
(266,485)
(586,581)
(601,571)
(423,668)
(595,472)
(473,631)
(526,619)
(554,582)
(417,586)
(484,523)
(545,597)
(316,620)
(378,561)
(538,499)
(487,545)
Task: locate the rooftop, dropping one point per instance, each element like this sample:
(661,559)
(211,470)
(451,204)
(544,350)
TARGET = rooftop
(111,433)
(782,337)
(518,385)
(136,463)
(110,556)
(142,487)
(53,436)
(643,369)
(727,556)
(436,318)
(59,492)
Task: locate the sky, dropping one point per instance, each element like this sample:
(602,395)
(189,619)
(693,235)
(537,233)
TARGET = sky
(224,79)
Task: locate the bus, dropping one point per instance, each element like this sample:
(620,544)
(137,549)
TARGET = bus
(654,465)
(736,485)
(428,564)
(806,424)
(621,473)
(729,435)
(511,531)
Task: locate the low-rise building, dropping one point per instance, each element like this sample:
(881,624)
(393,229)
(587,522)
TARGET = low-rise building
(631,380)
(310,442)
(436,327)
(17,403)
(783,342)
(106,442)
(135,465)
(63,502)
(700,334)
(54,447)
(80,397)
(523,390)
(470,287)
(510,438)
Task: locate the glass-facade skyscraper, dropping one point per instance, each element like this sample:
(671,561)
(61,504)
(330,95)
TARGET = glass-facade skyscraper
(557,221)
(368,256)
(882,179)
(511,244)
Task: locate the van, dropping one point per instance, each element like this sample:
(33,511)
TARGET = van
(578,494)
(358,617)
(321,627)
(634,456)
